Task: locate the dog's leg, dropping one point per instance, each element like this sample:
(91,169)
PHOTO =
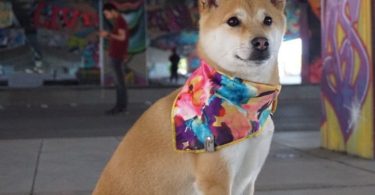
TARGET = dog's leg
(209,188)
(251,188)
(210,185)
(211,174)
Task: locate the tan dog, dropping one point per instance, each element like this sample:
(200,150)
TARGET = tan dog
(240,38)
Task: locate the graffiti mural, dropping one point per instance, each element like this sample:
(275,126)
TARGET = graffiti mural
(293,14)
(12,38)
(347,80)
(133,11)
(314,64)
(134,14)
(315,6)
(57,17)
(6,15)
(167,16)
(171,25)
(67,28)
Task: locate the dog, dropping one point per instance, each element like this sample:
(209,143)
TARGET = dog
(213,135)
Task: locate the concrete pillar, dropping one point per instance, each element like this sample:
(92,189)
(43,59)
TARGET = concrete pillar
(347,83)
(101,44)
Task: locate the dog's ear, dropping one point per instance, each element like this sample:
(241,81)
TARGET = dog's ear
(279,4)
(208,4)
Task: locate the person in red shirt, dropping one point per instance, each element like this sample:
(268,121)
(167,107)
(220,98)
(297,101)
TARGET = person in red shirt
(118,51)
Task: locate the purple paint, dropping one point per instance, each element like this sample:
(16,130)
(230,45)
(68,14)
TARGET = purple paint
(347,90)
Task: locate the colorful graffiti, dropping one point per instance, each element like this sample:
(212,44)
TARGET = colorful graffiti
(173,40)
(313,65)
(133,11)
(68,27)
(90,55)
(134,14)
(54,17)
(348,106)
(6,14)
(12,38)
(175,17)
(293,14)
(315,5)
(172,24)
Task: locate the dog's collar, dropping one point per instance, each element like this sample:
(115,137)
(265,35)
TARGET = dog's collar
(213,110)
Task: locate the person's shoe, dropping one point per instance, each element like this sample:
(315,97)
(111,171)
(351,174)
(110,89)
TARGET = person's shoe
(115,110)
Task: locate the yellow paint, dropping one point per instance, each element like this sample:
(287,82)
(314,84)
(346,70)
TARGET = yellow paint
(329,47)
(356,67)
(340,35)
(361,142)
(333,138)
(332,79)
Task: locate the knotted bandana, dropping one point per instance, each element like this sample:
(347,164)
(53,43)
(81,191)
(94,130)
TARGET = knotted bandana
(213,107)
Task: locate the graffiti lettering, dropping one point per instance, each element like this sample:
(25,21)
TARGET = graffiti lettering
(171,19)
(6,18)
(56,18)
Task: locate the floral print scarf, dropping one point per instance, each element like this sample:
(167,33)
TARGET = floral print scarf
(217,110)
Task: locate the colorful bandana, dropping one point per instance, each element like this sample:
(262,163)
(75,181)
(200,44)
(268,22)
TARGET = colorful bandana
(213,110)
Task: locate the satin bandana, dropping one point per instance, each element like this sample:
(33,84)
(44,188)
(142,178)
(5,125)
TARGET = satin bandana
(214,110)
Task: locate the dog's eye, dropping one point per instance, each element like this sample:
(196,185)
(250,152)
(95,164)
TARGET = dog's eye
(267,21)
(233,21)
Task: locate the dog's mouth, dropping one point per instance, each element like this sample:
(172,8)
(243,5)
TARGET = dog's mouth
(255,57)
(260,55)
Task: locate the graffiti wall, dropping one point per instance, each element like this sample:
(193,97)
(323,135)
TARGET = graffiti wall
(312,70)
(347,88)
(68,33)
(134,13)
(6,14)
(293,14)
(12,38)
(171,24)
(62,37)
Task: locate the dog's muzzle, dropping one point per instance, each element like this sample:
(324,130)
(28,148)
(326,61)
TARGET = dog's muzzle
(260,49)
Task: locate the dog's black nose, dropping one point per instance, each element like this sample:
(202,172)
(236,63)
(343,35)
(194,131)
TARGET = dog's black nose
(260,43)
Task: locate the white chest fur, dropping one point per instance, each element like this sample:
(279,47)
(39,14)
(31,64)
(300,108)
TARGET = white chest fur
(245,160)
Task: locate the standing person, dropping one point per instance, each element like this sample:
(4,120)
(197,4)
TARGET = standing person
(174,59)
(118,51)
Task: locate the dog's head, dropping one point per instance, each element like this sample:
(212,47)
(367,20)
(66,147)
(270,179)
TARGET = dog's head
(242,37)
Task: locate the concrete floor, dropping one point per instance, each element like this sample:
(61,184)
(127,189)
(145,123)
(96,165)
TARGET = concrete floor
(38,118)
(71,166)
(59,147)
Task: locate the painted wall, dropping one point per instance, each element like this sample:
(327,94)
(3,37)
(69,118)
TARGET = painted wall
(133,11)
(347,83)
(11,35)
(67,31)
(171,24)
(6,14)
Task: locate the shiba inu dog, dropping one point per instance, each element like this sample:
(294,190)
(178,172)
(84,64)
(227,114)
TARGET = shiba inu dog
(213,135)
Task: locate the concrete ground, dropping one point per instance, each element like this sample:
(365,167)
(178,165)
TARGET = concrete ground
(59,147)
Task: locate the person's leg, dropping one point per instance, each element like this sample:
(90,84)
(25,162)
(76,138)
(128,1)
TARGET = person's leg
(176,76)
(172,75)
(121,94)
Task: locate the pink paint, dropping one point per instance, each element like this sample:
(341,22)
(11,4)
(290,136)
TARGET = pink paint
(62,17)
